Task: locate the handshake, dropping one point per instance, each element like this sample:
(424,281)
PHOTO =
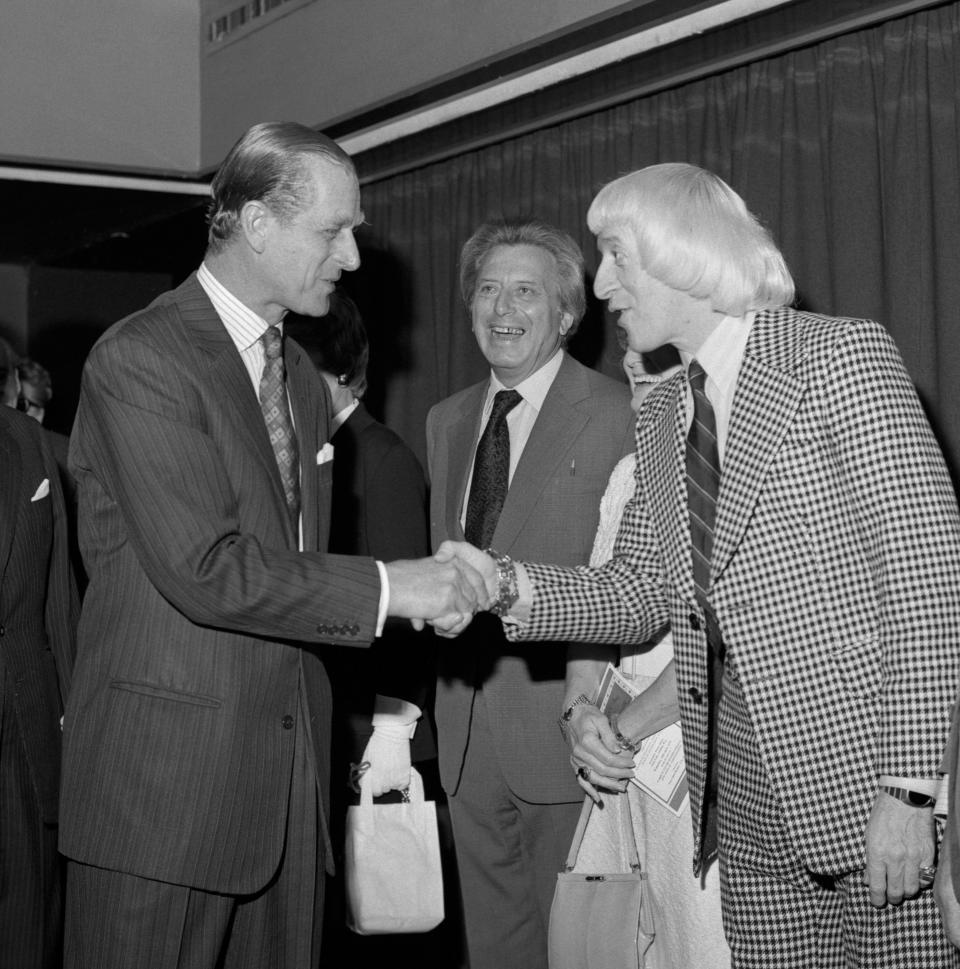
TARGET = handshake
(446,590)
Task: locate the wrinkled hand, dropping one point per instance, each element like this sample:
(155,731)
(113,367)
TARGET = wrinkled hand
(388,754)
(899,840)
(944,894)
(430,590)
(594,748)
(475,562)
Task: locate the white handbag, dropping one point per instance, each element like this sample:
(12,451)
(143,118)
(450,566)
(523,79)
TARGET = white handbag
(393,878)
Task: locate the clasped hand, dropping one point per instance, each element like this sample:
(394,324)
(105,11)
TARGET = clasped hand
(445,590)
(595,754)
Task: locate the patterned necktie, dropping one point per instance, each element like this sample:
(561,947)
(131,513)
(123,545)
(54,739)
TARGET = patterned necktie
(703,478)
(491,472)
(703,486)
(276,415)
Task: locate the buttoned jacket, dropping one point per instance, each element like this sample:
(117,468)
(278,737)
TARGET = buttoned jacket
(38,602)
(203,624)
(833,576)
(550,513)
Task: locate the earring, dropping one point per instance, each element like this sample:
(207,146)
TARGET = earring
(343,380)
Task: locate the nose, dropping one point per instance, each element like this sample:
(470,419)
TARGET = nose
(603,282)
(504,303)
(349,255)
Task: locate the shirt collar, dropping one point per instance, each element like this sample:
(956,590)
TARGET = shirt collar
(721,354)
(340,418)
(244,326)
(534,388)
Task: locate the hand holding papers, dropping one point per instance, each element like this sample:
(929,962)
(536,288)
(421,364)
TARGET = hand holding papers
(659,769)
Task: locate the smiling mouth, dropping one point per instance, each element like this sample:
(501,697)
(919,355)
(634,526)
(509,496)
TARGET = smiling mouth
(506,330)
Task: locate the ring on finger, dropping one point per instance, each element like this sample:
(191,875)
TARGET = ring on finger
(583,773)
(927,874)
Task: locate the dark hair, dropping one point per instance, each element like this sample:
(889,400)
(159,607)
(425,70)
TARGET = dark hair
(37,377)
(528,232)
(8,363)
(336,343)
(267,165)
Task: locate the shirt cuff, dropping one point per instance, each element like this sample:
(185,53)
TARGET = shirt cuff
(384,598)
(936,787)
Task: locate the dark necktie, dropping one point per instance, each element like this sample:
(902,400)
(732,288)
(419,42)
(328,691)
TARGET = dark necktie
(703,487)
(276,415)
(491,472)
(703,478)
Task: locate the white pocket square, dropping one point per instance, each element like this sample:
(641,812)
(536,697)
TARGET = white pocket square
(325,453)
(43,490)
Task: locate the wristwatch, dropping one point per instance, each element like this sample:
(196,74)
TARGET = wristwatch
(913,798)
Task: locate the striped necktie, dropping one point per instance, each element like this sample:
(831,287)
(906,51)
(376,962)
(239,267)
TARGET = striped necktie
(703,487)
(703,478)
(276,415)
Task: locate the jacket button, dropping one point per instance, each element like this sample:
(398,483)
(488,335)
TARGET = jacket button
(694,621)
(695,695)
(322,629)
(287,722)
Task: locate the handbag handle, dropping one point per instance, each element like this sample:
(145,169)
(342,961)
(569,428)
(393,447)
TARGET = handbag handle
(415,790)
(629,837)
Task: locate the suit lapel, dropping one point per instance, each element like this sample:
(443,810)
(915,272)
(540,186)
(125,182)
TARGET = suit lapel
(10,486)
(231,382)
(310,418)
(661,435)
(557,427)
(462,435)
(766,399)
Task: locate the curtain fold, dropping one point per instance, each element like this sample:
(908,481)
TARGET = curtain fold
(847,150)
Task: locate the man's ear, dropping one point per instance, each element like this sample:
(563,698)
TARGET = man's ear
(255,221)
(566,321)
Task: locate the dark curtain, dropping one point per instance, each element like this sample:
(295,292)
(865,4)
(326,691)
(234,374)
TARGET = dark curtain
(848,150)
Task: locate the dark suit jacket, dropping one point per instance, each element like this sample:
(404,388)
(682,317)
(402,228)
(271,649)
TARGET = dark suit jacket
(38,604)
(201,618)
(379,509)
(834,575)
(550,514)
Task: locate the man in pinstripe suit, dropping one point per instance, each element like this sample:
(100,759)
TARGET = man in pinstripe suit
(38,612)
(196,739)
(821,649)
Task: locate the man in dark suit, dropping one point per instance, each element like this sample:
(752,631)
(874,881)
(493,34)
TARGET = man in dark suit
(503,762)
(196,739)
(38,612)
(795,523)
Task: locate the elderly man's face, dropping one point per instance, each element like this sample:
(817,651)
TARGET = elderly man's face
(517,318)
(651,313)
(305,255)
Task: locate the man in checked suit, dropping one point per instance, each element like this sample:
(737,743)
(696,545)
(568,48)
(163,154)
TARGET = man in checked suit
(503,762)
(196,739)
(38,612)
(820,645)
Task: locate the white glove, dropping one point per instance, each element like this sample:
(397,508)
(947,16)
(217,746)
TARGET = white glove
(388,749)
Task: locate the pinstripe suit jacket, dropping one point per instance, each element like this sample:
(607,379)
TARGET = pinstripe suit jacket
(199,621)
(834,575)
(551,513)
(38,602)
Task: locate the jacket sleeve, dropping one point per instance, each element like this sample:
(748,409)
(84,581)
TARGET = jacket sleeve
(144,435)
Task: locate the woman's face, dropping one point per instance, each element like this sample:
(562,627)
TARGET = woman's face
(634,369)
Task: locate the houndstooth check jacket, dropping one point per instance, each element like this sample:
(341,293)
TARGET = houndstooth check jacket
(835,574)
